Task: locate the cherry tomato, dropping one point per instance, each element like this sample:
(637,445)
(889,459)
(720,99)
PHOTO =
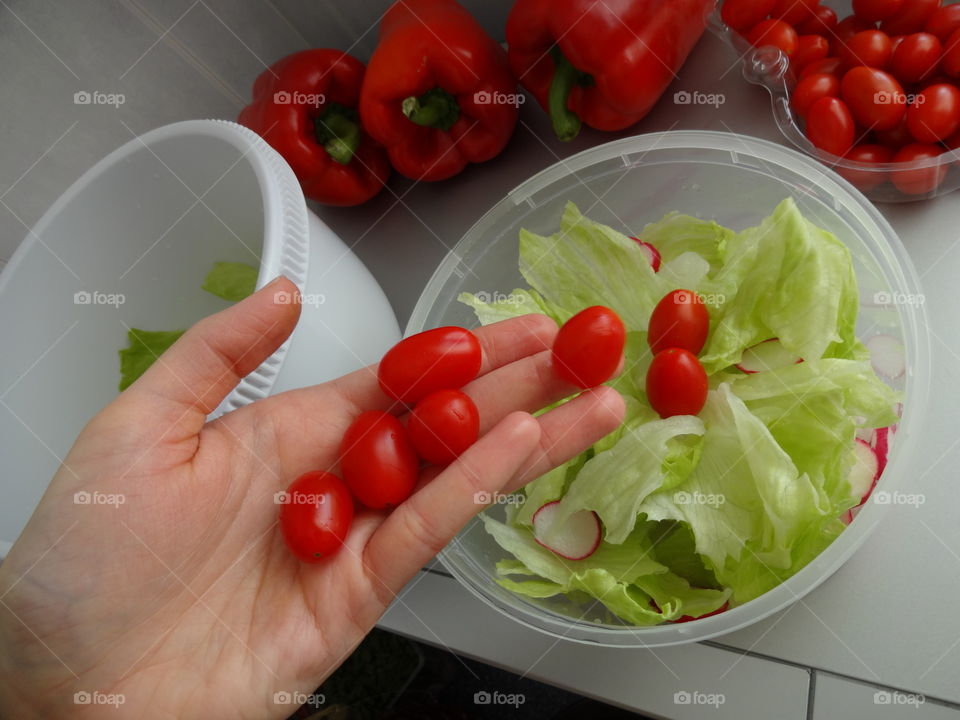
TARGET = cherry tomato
(679,320)
(316,515)
(922,180)
(830,65)
(943,22)
(868,47)
(869,155)
(810,48)
(915,57)
(377,460)
(846,29)
(744,14)
(443,425)
(676,383)
(935,113)
(895,138)
(774,32)
(912,17)
(439,359)
(950,63)
(793,11)
(876,10)
(588,348)
(812,88)
(822,20)
(874,97)
(830,125)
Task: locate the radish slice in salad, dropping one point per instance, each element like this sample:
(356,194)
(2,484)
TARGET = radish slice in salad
(653,255)
(887,356)
(867,466)
(579,537)
(768,355)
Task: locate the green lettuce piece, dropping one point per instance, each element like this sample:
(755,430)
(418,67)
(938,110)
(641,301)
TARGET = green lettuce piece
(787,279)
(231,281)
(514,304)
(143,347)
(677,234)
(614,483)
(676,597)
(675,547)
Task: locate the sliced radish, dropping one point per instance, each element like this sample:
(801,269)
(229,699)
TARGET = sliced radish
(865,470)
(653,255)
(577,539)
(881,446)
(887,356)
(768,355)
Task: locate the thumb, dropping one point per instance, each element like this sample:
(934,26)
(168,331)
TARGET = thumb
(196,373)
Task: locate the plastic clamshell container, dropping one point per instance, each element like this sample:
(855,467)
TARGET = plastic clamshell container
(627,184)
(769,67)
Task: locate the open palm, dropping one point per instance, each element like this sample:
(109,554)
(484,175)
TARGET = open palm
(153,578)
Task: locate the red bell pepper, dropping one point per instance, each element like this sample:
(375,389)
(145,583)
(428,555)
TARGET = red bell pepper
(438,92)
(603,63)
(304,106)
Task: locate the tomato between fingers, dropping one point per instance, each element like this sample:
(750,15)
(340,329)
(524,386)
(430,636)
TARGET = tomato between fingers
(588,348)
(680,320)
(830,125)
(378,461)
(439,359)
(316,515)
(676,383)
(443,425)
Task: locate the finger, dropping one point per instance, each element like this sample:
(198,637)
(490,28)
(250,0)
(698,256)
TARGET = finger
(568,430)
(416,530)
(502,343)
(189,380)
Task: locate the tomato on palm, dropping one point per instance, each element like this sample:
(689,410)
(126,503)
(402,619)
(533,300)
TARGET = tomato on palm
(446,357)
(874,97)
(821,20)
(830,125)
(919,181)
(774,32)
(744,14)
(810,48)
(680,320)
(812,88)
(676,383)
(935,113)
(589,347)
(316,515)
(912,17)
(876,10)
(443,425)
(943,22)
(868,47)
(377,460)
(868,154)
(915,58)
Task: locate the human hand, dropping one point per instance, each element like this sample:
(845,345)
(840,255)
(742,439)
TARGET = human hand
(183,600)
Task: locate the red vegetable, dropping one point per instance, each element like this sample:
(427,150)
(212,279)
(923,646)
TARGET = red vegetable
(870,155)
(443,425)
(438,92)
(680,320)
(944,21)
(846,29)
(821,20)
(877,10)
(915,58)
(744,14)
(440,359)
(604,64)
(316,516)
(793,11)
(811,88)
(589,347)
(918,181)
(377,460)
(935,113)
(676,383)
(810,48)
(875,98)
(776,33)
(950,63)
(912,17)
(830,125)
(304,106)
(868,47)
(830,65)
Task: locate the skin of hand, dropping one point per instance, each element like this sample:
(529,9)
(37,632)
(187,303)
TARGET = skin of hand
(179,597)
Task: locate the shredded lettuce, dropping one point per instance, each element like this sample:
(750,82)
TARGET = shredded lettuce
(718,508)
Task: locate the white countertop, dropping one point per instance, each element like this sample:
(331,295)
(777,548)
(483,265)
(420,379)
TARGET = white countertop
(887,618)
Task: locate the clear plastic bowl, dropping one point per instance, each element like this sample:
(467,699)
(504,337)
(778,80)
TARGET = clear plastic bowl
(770,68)
(736,181)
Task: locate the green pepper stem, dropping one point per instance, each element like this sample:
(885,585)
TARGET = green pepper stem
(338,133)
(436,108)
(565,122)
